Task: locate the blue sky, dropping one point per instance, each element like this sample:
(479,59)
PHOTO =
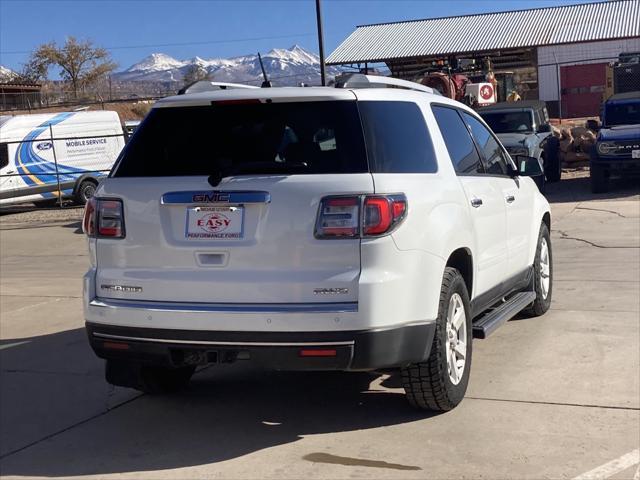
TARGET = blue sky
(133,29)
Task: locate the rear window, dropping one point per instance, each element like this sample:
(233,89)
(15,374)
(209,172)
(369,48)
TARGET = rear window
(242,139)
(397,137)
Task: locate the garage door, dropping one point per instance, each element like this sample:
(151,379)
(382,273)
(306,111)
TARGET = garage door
(582,88)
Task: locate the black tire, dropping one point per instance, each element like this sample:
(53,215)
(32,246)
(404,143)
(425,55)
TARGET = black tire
(85,191)
(552,164)
(542,302)
(147,378)
(599,180)
(427,384)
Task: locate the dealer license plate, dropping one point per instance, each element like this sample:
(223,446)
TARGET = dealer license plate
(635,153)
(215,222)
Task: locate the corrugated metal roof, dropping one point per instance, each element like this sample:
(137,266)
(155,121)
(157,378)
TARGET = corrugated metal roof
(490,31)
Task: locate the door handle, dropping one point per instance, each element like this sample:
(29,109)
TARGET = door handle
(476,202)
(510,198)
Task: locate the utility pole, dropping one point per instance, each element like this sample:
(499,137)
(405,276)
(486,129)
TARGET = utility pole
(320,43)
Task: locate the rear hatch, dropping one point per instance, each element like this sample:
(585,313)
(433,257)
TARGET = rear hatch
(220,204)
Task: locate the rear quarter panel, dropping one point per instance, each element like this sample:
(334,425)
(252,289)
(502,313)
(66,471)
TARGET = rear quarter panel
(437,221)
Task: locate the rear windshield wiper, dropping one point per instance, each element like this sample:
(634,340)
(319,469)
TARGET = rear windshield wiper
(251,168)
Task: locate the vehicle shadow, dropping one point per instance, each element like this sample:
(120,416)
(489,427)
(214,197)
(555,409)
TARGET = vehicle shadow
(76,225)
(578,189)
(227,412)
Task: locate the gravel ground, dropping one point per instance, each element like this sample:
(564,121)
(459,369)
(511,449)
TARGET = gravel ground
(20,215)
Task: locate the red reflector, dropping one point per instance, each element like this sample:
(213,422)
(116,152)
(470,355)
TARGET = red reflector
(342,201)
(318,353)
(399,207)
(115,345)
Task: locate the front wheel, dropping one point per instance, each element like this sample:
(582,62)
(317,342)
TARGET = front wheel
(441,381)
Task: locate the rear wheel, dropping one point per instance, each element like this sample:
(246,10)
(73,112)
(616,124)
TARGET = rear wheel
(148,378)
(542,275)
(441,381)
(85,191)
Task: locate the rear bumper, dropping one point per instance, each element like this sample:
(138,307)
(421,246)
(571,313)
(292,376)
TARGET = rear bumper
(336,350)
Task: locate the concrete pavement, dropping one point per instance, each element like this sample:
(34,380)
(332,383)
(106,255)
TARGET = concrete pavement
(552,397)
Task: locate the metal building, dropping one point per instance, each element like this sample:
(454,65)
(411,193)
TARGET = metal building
(557,54)
(20,96)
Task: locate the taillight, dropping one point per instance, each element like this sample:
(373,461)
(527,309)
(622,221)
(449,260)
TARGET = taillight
(104,218)
(338,217)
(89,220)
(359,215)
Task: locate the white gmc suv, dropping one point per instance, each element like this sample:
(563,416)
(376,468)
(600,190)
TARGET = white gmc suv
(348,228)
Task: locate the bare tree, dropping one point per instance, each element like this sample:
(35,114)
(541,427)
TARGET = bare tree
(32,72)
(195,73)
(81,62)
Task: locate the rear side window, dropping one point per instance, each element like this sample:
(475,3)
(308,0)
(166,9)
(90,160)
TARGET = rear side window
(244,139)
(4,155)
(397,138)
(494,157)
(459,143)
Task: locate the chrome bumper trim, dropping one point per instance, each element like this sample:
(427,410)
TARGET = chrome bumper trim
(336,307)
(234,344)
(200,197)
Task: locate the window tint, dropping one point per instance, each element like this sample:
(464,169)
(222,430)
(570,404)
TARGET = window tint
(254,138)
(397,138)
(508,122)
(495,159)
(4,155)
(622,113)
(461,149)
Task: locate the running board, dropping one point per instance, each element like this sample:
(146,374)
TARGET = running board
(490,321)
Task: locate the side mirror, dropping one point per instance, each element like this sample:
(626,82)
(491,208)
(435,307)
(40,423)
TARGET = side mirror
(527,166)
(544,128)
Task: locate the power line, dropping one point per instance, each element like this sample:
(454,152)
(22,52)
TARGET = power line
(182,44)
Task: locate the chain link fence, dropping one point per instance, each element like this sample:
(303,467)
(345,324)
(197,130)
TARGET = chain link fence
(48,166)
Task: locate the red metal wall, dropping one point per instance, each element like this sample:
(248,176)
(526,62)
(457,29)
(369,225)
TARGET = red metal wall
(582,87)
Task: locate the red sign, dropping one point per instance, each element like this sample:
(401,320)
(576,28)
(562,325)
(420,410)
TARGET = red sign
(486,92)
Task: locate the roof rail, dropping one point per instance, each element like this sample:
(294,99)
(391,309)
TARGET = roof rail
(208,86)
(360,80)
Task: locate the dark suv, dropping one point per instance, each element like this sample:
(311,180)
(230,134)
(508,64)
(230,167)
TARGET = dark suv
(524,129)
(617,148)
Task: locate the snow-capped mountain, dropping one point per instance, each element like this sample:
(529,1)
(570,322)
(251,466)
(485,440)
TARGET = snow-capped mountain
(283,66)
(6,74)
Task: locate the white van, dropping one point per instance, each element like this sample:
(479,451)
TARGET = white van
(44,153)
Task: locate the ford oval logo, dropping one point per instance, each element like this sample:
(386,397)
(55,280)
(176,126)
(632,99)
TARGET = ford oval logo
(44,145)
